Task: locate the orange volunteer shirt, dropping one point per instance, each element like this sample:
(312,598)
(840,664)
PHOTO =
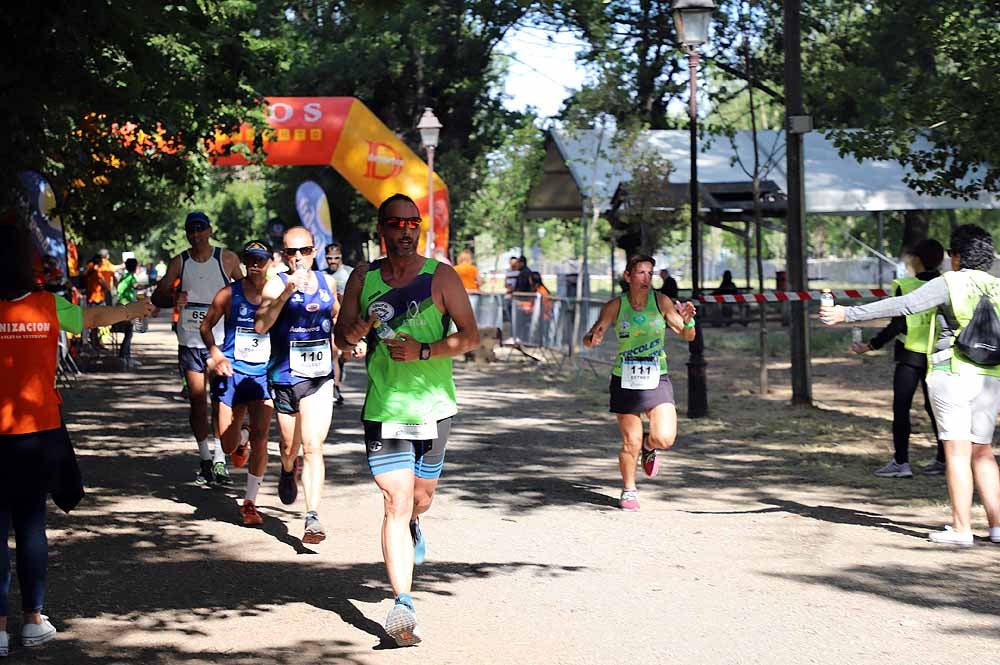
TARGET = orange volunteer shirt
(29,337)
(469,274)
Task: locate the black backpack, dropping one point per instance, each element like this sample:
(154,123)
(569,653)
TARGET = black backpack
(980,340)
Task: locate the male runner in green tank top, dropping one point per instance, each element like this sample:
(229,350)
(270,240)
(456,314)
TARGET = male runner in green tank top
(402,307)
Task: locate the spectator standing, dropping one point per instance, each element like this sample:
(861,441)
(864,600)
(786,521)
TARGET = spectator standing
(669,286)
(36,455)
(469,274)
(524,282)
(910,353)
(965,394)
(510,279)
(726,288)
(336,267)
(127,295)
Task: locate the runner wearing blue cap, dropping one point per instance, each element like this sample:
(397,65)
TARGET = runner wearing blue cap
(238,372)
(202,270)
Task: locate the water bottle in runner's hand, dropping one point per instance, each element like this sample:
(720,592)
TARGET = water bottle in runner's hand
(826,298)
(383,330)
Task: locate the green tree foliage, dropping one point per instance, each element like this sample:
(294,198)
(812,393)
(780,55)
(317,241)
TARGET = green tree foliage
(498,200)
(639,67)
(77,70)
(397,57)
(908,71)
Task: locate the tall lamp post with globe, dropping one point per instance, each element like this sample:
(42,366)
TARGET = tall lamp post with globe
(430,130)
(692,18)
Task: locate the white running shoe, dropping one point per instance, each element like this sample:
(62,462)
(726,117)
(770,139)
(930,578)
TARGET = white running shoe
(401,625)
(893,470)
(995,534)
(33,634)
(951,537)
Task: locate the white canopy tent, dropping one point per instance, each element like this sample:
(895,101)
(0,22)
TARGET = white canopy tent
(579,167)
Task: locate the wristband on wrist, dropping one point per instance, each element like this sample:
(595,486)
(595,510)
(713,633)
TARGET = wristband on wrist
(690,324)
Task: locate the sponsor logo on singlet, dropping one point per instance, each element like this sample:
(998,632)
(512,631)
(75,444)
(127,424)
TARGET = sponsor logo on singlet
(383,310)
(326,325)
(303,329)
(312,307)
(243,310)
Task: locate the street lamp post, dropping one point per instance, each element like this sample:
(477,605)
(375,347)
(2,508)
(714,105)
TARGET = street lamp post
(430,129)
(692,18)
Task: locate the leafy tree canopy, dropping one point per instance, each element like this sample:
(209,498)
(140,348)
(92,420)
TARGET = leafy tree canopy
(113,100)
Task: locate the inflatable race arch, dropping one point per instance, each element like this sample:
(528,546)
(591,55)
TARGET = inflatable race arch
(343,133)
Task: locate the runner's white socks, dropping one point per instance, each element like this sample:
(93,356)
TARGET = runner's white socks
(253,484)
(203,450)
(220,454)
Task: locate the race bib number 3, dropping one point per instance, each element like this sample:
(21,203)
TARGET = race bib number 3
(640,374)
(192,314)
(310,359)
(251,347)
(421,432)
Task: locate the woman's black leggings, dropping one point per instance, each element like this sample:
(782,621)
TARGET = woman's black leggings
(28,517)
(904,387)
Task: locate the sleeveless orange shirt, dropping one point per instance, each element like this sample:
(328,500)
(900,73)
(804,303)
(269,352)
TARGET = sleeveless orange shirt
(29,338)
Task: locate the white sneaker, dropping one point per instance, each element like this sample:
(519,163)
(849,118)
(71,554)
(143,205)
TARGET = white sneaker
(4,643)
(995,534)
(951,537)
(33,634)
(893,470)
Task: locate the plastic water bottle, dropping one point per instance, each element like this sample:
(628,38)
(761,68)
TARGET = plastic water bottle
(857,335)
(139,323)
(826,298)
(382,330)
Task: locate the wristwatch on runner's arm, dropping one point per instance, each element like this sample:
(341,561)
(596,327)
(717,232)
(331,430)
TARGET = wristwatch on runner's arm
(425,351)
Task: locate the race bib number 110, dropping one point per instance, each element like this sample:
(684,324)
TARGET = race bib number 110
(310,359)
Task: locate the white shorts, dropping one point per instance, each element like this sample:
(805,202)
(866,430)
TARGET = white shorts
(965,405)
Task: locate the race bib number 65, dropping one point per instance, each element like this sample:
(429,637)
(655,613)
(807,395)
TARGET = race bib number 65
(192,314)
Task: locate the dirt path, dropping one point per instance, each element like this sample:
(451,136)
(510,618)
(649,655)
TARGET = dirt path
(764,540)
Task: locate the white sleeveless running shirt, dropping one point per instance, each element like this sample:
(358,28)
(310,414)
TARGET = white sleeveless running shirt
(202,280)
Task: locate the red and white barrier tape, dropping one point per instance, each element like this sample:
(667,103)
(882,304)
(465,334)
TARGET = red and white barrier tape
(790,296)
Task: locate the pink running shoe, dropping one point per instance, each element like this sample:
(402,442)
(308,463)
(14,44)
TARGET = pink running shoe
(629,500)
(650,464)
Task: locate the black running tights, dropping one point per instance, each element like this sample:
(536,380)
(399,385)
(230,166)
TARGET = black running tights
(904,387)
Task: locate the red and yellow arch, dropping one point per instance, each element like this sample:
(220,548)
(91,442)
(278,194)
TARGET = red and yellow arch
(343,133)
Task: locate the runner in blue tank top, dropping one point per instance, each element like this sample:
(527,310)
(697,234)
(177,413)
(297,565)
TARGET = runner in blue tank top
(239,373)
(298,309)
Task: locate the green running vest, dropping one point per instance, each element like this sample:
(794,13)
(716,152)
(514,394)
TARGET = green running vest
(420,391)
(640,334)
(964,289)
(918,326)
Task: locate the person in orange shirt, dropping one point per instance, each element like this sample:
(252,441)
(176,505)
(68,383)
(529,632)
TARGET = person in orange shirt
(36,455)
(469,274)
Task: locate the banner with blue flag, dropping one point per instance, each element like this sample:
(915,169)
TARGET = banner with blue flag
(314,211)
